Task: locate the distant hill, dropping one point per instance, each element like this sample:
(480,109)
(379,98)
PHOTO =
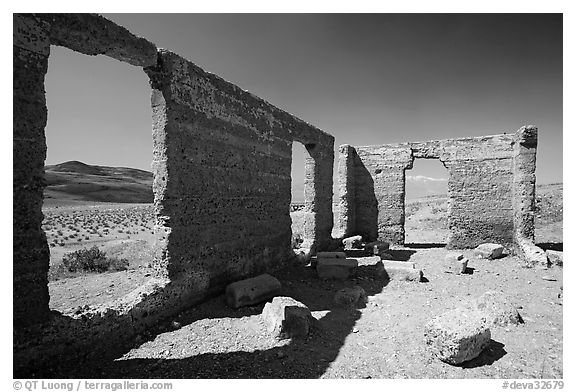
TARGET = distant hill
(77,181)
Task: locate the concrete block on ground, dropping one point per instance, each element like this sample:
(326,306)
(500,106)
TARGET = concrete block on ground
(354,242)
(285,317)
(457,336)
(326,255)
(455,263)
(351,297)
(399,270)
(252,291)
(497,309)
(555,257)
(336,268)
(489,251)
(385,256)
(377,247)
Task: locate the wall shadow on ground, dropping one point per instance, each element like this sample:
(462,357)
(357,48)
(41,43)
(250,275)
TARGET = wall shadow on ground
(301,358)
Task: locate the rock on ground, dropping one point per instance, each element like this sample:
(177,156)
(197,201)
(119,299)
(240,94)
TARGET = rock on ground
(555,257)
(455,263)
(336,268)
(489,251)
(497,309)
(285,317)
(457,336)
(252,291)
(399,270)
(354,242)
(351,297)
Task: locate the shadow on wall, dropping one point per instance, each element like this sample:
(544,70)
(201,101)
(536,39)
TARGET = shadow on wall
(300,358)
(366,203)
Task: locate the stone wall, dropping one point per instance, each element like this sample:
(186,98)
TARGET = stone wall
(221,160)
(490,188)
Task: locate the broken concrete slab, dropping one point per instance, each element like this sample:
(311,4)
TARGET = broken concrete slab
(399,270)
(354,242)
(285,317)
(326,255)
(252,291)
(555,257)
(497,309)
(489,251)
(455,263)
(336,268)
(351,297)
(457,336)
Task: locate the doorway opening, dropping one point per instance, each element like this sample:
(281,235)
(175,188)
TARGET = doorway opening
(98,203)
(426,203)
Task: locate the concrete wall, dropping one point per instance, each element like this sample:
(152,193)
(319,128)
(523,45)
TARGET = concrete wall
(221,162)
(490,188)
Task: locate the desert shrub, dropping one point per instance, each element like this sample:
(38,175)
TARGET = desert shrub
(117,264)
(91,260)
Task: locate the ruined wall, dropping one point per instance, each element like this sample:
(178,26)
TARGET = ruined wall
(490,187)
(221,161)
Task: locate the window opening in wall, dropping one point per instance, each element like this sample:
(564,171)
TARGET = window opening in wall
(297,206)
(98,211)
(426,203)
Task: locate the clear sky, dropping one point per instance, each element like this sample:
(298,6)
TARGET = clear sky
(364,78)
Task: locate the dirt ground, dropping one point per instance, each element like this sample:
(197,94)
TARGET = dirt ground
(385,339)
(382,340)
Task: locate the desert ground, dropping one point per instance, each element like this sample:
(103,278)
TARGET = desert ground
(382,340)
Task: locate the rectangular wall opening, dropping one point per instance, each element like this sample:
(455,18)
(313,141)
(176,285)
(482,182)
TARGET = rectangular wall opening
(426,203)
(297,203)
(98,204)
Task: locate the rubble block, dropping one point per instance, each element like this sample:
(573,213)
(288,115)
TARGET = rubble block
(497,309)
(385,256)
(354,242)
(489,251)
(285,317)
(555,257)
(358,253)
(336,268)
(399,270)
(455,263)
(326,255)
(351,297)
(457,336)
(377,247)
(252,291)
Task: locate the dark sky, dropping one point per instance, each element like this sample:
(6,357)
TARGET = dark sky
(364,78)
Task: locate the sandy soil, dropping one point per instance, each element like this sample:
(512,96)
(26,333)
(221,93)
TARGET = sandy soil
(383,340)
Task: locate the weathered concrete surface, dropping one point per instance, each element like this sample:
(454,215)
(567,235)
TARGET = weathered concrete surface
(31,255)
(489,251)
(490,189)
(221,162)
(457,336)
(455,263)
(336,268)
(285,318)
(93,34)
(346,186)
(354,242)
(252,291)
(399,270)
(497,309)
